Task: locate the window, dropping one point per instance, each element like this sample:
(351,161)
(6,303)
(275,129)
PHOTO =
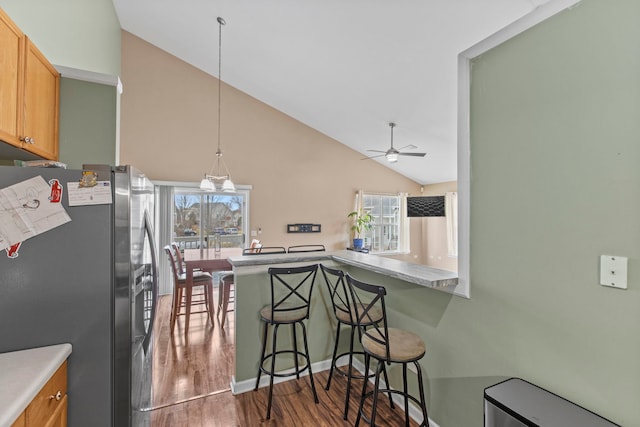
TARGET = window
(202,219)
(194,219)
(389,233)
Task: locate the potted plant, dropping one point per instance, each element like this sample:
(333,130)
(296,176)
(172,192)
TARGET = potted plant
(361,221)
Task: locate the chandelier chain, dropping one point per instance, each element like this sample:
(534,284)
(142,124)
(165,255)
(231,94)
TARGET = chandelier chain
(221,22)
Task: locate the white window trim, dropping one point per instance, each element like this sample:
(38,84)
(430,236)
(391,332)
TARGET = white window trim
(451,216)
(403,226)
(538,15)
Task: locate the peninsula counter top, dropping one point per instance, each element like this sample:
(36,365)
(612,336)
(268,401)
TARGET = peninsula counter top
(413,273)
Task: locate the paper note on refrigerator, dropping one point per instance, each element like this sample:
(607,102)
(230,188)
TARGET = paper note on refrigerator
(99,194)
(25,211)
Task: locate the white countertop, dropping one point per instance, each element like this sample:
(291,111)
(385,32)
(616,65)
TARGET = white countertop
(23,373)
(414,273)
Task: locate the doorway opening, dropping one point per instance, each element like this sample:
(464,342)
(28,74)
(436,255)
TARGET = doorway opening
(198,363)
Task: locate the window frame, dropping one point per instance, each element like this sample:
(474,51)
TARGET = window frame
(401,225)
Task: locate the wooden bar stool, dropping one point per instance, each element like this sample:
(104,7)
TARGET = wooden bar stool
(386,345)
(345,315)
(290,301)
(180,284)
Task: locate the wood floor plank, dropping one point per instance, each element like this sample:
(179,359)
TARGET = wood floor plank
(202,363)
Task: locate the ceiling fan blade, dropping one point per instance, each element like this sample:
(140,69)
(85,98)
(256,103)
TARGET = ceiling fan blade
(413,154)
(373,157)
(377,151)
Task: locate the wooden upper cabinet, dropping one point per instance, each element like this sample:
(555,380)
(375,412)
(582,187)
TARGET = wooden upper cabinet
(41,104)
(29,94)
(11,83)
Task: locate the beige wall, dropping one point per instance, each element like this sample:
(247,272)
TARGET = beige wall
(434,232)
(168,130)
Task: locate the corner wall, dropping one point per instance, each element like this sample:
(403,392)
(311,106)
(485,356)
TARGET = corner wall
(554,185)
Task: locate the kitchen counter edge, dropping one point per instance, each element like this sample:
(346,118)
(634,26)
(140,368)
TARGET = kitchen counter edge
(413,273)
(23,373)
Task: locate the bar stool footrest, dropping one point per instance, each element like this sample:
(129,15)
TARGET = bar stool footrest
(385,391)
(300,370)
(340,369)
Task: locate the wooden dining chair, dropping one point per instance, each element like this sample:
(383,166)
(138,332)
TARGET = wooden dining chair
(200,278)
(226,294)
(199,292)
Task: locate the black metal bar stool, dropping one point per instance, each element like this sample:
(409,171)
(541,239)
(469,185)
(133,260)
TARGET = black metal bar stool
(345,315)
(290,301)
(386,345)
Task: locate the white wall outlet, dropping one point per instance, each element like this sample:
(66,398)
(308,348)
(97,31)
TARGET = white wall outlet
(613,271)
(254,233)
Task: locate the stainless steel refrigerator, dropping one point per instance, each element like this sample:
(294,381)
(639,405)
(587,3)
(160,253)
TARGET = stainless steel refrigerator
(91,282)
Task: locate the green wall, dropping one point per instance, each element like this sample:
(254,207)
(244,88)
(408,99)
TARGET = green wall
(82,34)
(88,114)
(555,183)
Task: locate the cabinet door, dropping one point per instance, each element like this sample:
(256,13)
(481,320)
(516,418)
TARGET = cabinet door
(11,83)
(41,104)
(21,421)
(51,402)
(59,417)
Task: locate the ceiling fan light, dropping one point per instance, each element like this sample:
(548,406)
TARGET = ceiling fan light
(392,157)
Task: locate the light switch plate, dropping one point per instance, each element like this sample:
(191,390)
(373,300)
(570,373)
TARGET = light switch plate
(613,271)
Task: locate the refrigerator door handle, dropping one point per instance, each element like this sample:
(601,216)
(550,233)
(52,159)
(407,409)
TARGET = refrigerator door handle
(154,282)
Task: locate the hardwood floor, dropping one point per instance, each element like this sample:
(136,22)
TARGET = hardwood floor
(194,365)
(196,371)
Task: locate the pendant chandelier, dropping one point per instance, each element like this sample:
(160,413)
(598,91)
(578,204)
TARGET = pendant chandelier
(209,181)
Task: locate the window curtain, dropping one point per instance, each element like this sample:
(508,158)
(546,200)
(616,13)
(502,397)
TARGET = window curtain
(405,240)
(164,231)
(451,214)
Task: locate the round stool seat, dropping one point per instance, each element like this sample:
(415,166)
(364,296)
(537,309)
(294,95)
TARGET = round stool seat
(288,316)
(404,346)
(342,314)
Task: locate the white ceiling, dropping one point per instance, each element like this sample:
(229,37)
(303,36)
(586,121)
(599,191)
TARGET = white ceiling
(343,67)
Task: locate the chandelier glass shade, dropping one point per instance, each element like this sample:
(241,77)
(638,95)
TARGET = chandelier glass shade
(221,177)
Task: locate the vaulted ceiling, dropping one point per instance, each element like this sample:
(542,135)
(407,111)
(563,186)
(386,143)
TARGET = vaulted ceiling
(344,68)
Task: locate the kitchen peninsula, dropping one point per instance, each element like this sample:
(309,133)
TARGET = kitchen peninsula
(404,282)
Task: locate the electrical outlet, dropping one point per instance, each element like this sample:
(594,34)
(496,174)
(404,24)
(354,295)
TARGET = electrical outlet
(613,271)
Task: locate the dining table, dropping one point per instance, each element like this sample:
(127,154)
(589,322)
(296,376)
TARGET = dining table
(209,260)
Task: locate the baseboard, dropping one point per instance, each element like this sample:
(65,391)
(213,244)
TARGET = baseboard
(324,365)
(249,385)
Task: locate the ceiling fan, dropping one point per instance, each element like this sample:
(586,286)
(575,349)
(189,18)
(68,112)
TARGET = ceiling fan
(392,154)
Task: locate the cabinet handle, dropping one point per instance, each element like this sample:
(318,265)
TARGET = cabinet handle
(27,139)
(58,396)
